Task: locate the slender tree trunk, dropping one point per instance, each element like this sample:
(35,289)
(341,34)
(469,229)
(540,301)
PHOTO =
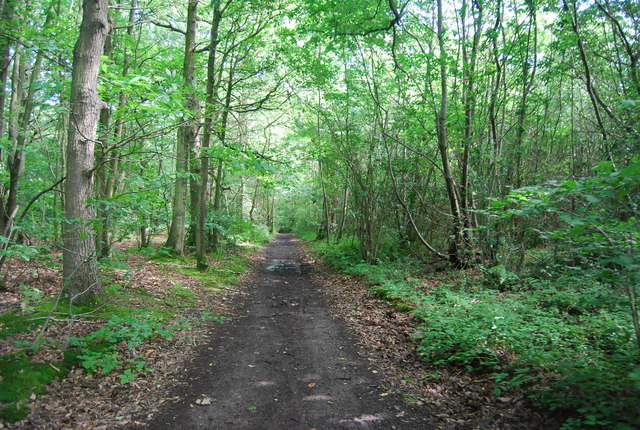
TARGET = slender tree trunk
(201,246)
(240,203)
(633,54)
(495,186)
(18,77)
(110,158)
(217,205)
(593,96)
(5,60)
(254,200)
(222,136)
(456,248)
(469,97)
(528,74)
(102,170)
(61,163)
(343,213)
(14,108)
(187,134)
(19,132)
(81,282)
(325,228)
(194,192)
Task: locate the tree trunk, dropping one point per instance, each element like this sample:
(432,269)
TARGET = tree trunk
(110,171)
(325,227)
(343,213)
(187,134)
(222,136)
(456,247)
(528,74)
(5,56)
(201,248)
(102,169)
(81,282)
(18,137)
(588,78)
(469,97)
(495,185)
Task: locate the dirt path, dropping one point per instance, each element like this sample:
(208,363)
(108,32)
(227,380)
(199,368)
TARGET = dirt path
(286,363)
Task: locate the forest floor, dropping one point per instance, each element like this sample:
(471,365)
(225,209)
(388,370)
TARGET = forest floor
(315,350)
(306,348)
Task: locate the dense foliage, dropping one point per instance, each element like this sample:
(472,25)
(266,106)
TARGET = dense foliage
(500,135)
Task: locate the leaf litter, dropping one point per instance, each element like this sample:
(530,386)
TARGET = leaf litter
(453,398)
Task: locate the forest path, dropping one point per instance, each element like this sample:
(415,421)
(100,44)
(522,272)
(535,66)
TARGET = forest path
(285,363)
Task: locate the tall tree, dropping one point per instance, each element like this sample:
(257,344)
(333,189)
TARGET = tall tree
(210,109)
(6,13)
(187,134)
(23,104)
(81,282)
(456,243)
(109,156)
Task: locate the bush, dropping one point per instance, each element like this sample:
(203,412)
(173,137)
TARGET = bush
(233,230)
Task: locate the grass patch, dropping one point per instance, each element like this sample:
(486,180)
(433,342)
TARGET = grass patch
(183,293)
(12,323)
(226,271)
(19,379)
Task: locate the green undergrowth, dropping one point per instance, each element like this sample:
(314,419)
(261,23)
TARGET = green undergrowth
(124,319)
(565,337)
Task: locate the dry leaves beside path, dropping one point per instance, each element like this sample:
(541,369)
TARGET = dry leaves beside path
(454,398)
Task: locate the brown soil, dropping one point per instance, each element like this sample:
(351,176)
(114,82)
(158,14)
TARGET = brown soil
(286,363)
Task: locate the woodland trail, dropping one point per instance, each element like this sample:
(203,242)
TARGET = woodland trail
(285,363)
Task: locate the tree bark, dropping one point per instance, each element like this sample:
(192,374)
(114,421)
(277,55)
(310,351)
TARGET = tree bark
(201,246)
(222,136)
(81,282)
(187,135)
(456,248)
(5,59)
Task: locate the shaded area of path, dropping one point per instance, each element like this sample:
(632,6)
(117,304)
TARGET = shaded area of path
(285,363)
